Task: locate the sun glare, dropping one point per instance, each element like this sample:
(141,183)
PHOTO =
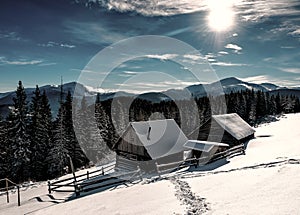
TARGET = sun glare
(221,15)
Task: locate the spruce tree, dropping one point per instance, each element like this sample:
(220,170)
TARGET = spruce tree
(278,104)
(72,145)
(40,133)
(297,105)
(261,104)
(3,149)
(19,141)
(57,159)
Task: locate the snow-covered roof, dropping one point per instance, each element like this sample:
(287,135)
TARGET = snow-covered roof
(163,139)
(204,146)
(234,125)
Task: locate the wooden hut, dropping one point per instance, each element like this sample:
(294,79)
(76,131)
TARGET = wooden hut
(150,142)
(205,148)
(227,128)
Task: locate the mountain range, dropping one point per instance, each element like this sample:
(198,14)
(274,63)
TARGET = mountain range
(231,84)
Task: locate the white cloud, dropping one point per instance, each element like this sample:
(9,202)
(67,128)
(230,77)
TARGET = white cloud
(289,27)
(268,59)
(194,57)
(287,47)
(295,32)
(257,79)
(223,53)
(127,74)
(55,44)
(67,46)
(162,57)
(47,64)
(93,32)
(259,10)
(89,71)
(228,64)
(291,70)
(280,81)
(234,47)
(20,62)
(10,35)
(249,10)
(130,72)
(97,90)
(142,87)
(156,8)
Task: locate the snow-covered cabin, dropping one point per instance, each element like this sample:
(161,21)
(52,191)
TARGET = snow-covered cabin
(158,141)
(227,128)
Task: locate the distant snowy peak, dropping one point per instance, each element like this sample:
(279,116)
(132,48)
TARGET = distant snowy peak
(234,84)
(270,86)
(231,81)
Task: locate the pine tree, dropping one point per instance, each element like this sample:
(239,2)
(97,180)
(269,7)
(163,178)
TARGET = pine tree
(252,103)
(18,137)
(40,132)
(105,132)
(57,158)
(272,106)
(278,104)
(72,145)
(297,105)
(3,149)
(89,135)
(261,104)
(288,104)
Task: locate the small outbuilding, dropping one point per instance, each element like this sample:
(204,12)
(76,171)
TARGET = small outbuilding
(204,148)
(227,128)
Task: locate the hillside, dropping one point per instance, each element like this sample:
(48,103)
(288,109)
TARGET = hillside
(264,181)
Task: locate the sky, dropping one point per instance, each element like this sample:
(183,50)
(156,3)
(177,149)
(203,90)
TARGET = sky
(83,40)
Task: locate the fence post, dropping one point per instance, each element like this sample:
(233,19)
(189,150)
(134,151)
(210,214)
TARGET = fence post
(140,173)
(87,175)
(49,187)
(19,199)
(157,169)
(7,193)
(102,171)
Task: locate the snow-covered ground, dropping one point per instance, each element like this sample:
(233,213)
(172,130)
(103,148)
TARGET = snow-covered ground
(264,181)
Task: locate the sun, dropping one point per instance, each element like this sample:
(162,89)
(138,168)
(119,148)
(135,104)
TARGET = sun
(221,15)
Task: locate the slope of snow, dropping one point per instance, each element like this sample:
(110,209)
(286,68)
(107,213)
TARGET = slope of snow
(154,198)
(264,181)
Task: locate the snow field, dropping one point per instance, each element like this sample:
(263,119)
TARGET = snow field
(264,181)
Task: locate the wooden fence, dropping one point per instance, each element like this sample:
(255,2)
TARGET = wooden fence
(164,168)
(9,188)
(92,180)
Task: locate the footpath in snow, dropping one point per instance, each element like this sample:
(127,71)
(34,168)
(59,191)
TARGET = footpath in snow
(264,181)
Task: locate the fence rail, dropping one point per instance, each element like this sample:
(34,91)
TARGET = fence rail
(91,180)
(8,188)
(164,168)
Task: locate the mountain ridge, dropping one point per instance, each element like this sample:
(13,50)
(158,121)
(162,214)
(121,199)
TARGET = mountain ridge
(230,84)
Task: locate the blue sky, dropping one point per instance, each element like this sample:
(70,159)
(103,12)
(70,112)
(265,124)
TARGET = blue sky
(255,40)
